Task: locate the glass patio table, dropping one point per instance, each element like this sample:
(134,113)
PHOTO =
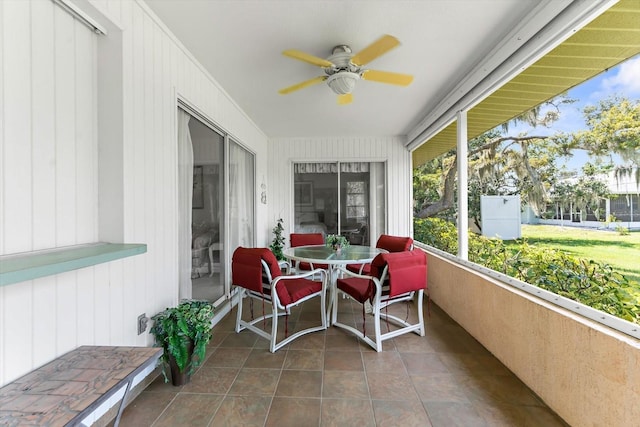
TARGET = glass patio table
(322,254)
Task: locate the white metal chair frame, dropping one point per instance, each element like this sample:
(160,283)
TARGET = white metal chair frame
(276,306)
(380,302)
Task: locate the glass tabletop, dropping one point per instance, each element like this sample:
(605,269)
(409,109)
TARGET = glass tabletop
(352,254)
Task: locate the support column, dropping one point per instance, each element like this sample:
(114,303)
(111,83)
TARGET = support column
(463,186)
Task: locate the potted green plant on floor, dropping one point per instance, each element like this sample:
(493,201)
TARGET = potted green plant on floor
(183,332)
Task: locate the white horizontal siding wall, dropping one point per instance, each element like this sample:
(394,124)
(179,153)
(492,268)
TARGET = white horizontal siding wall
(283,152)
(49,190)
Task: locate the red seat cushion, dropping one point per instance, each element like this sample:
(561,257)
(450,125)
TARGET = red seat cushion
(359,289)
(293,290)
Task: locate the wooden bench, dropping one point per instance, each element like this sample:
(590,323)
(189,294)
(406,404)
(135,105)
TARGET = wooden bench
(67,390)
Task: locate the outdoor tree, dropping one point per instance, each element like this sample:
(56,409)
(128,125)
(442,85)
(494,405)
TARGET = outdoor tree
(501,164)
(498,165)
(427,182)
(613,127)
(435,194)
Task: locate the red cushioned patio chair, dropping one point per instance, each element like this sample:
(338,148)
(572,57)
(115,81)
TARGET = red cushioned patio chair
(257,274)
(390,244)
(394,277)
(306,239)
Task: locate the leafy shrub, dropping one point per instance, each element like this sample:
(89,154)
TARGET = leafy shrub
(589,282)
(436,232)
(622,230)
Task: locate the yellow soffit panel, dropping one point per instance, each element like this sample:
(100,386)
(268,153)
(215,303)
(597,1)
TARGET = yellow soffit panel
(611,38)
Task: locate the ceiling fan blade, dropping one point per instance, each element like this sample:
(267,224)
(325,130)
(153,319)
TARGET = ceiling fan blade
(345,99)
(302,56)
(387,77)
(302,85)
(375,49)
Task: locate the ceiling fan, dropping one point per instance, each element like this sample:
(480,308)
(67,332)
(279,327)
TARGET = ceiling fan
(343,69)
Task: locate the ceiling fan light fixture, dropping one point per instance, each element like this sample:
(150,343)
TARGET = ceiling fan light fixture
(343,82)
(343,69)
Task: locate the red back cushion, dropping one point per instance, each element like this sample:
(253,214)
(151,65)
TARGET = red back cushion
(305,239)
(407,270)
(394,243)
(246,267)
(377,266)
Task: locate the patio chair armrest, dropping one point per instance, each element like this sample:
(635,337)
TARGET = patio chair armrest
(349,273)
(303,275)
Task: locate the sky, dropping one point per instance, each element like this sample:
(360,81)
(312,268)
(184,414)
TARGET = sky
(623,80)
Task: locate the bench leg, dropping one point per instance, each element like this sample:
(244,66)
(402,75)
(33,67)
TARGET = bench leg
(121,408)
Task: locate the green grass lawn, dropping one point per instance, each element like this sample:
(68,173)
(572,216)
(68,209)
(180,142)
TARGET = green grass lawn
(621,252)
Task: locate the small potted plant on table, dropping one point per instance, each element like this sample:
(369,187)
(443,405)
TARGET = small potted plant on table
(183,332)
(336,242)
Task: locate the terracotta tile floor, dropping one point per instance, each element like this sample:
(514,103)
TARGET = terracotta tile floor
(330,379)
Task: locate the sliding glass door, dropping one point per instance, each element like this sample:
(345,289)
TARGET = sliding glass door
(345,198)
(208,206)
(222,208)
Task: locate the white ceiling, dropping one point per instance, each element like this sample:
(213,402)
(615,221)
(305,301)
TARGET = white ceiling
(240,42)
